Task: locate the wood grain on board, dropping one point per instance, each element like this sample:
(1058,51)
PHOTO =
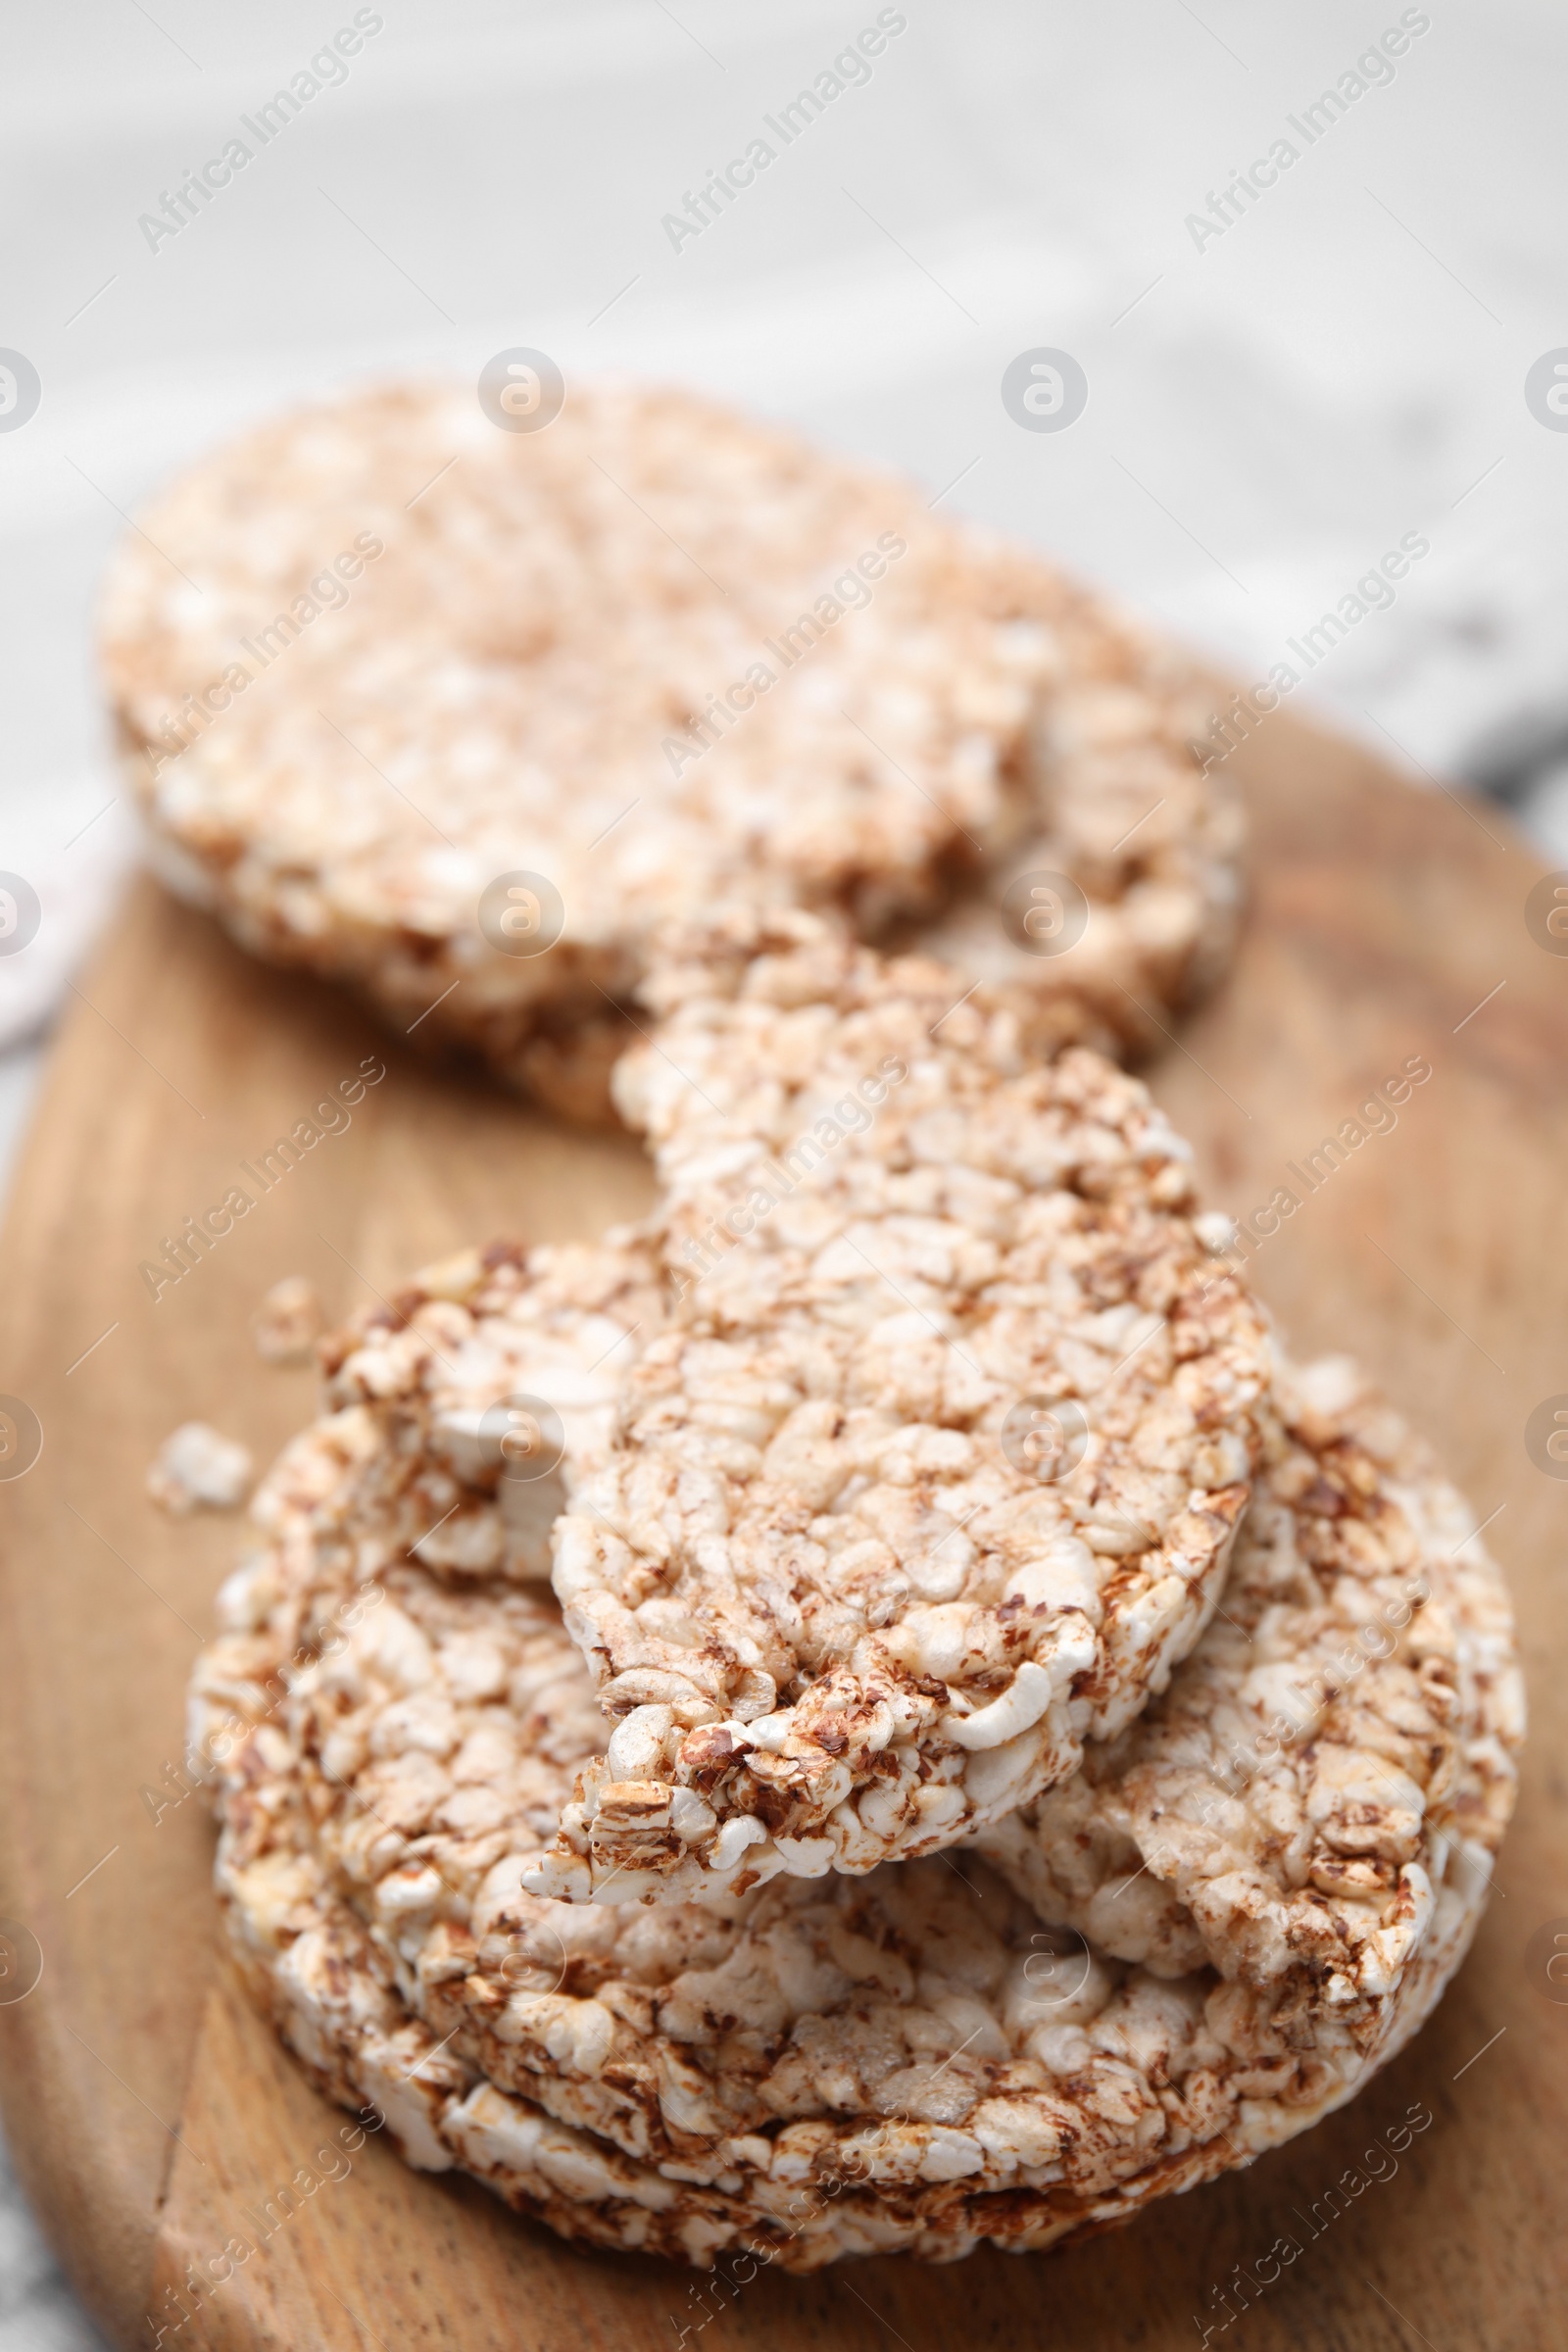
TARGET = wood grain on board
(155,2120)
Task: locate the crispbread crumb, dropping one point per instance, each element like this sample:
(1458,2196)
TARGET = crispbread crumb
(288,1322)
(196,1467)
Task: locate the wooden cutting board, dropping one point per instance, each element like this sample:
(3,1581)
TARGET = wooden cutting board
(154,2119)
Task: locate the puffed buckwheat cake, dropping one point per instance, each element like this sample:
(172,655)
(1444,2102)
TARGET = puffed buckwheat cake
(1282,1813)
(461,716)
(936,1471)
(373,658)
(912,2060)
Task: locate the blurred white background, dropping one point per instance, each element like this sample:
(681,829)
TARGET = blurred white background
(1268,413)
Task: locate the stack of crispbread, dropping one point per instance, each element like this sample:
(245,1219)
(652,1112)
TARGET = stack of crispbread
(877,1710)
